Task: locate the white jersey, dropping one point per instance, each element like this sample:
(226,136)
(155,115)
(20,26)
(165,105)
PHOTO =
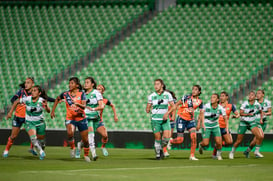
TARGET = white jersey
(34,110)
(266,104)
(255,109)
(212,115)
(159,104)
(92,100)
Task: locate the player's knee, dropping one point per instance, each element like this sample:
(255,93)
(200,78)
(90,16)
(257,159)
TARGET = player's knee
(180,139)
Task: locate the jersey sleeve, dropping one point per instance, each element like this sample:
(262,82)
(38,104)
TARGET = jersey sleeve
(170,98)
(62,95)
(99,96)
(269,104)
(201,106)
(23,100)
(242,106)
(150,99)
(83,97)
(108,102)
(233,108)
(223,111)
(16,96)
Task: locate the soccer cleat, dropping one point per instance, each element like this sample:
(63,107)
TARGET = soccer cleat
(231,155)
(78,153)
(87,159)
(42,155)
(104,151)
(246,153)
(166,154)
(95,158)
(72,153)
(258,155)
(193,158)
(219,158)
(161,155)
(5,154)
(200,149)
(157,158)
(33,152)
(214,157)
(169,145)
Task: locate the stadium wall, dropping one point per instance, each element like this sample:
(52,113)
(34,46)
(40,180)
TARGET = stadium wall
(126,139)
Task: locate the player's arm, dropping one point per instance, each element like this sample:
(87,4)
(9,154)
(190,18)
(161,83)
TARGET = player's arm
(114,111)
(148,107)
(82,105)
(16,96)
(261,116)
(200,120)
(45,106)
(57,100)
(13,107)
(242,113)
(175,106)
(269,112)
(226,121)
(234,110)
(165,117)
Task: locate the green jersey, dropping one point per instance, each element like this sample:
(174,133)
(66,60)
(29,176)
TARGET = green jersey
(254,109)
(92,100)
(34,110)
(212,115)
(266,104)
(159,104)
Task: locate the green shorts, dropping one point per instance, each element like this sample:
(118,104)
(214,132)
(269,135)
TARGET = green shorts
(263,126)
(215,131)
(158,126)
(95,123)
(247,125)
(38,126)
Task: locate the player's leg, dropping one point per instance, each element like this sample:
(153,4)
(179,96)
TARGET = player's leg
(240,136)
(103,132)
(91,138)
(192,130)
(41,135)
(156,127)
(259,135)
(218,142)
(83,128)
(166,127)
(70,129)
(16,125)
(205,139)
(180,127)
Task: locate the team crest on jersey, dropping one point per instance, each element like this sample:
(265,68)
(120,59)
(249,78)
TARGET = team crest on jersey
(196,101)
(79,98)
(228,108)
(165,97)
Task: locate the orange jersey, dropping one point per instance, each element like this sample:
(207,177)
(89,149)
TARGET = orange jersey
(228,108)
(105,102)
(189,102)
(74,112)
(21,108)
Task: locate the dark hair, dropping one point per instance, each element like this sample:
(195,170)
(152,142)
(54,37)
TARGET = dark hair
(252,92)
(42,91)
(77,81)
(92,81)
(103,87)
(224,92)
(218,97)
(172,93)
(22,85)
(261,90)
(161,81)
(198,87)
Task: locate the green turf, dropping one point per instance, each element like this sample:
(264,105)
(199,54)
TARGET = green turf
(132,164)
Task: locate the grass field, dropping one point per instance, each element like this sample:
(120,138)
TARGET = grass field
(132,164)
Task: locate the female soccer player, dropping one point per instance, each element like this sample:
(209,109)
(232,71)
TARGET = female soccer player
(250,112)
(185,119)
(159,101)
(228,108)
(210,124)
(75,116)
(102,129)
(34,124)
(94,105)
(267,111)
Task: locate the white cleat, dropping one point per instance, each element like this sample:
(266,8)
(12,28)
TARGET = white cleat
(72,153)
(87,159)
(104,151)
(258,155)
(5,154)
(78,150)
(219,158)
(42,155)
(193,158)
(169,145)
(231,155)
(166,154)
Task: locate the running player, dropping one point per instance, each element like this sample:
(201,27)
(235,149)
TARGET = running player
(267,111)
(210,124)
(34,124)
(185,119)
(227,138)
(101,129)
(75,116)
(158,102)
(251,112)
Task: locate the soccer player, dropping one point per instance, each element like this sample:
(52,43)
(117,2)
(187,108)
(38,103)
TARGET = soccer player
(75,100)
(250,112)
(227,138)
(34,120)
(267,111)
(158,101)
(210,124)
(94,105)
(185,119)
(102,129)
